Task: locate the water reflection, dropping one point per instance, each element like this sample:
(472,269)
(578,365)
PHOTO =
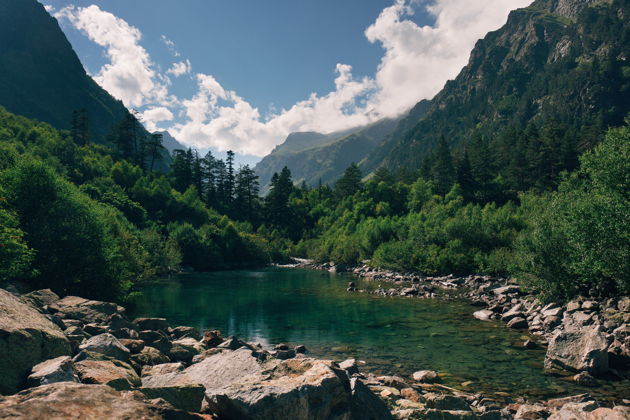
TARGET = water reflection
(393,335)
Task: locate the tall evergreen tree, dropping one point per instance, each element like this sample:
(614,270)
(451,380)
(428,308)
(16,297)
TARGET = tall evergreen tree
(442,169)
(350,182)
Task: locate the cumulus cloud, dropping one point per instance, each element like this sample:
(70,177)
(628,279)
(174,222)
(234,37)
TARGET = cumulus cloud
(181,68)
(129,76)
(417,61)
(49,8)
(152,116)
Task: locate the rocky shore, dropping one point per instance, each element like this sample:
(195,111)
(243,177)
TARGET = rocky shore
(79,358)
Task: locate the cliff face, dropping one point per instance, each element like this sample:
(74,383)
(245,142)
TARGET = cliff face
(41,77)
(561,60)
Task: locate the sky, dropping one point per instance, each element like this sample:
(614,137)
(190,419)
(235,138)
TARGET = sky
(243,74)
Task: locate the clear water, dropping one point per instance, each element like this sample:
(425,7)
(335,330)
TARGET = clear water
(392,335)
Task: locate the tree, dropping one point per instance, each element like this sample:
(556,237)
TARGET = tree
(442,170)
(349,183)
(154,149)
(246,194)
(182,169)
(80,130)
(278,214)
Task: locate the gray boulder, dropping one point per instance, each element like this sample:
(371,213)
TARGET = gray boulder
(151,324)
(88,311)
(483,315)
(40,298)
(578,350)
(107,345)
(27,338)
(119,375)
(60,369)
(183,397)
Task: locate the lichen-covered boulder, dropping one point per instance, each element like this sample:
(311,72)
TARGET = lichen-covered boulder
(27,338)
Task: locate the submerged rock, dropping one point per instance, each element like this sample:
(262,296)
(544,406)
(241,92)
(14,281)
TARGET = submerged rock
(27,338)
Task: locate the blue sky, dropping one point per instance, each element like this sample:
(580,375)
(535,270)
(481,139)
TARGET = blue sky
(243,74)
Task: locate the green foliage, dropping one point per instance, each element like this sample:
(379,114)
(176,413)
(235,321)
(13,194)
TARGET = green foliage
(15,255)
(578,239)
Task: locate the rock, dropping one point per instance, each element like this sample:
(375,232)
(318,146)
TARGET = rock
(283,354)
(483,314)
(212,338)
(410,394)
(114,373)
(153,324)
(67,400)
(590,305)
(162,369)
(107,345)
(393,381)
(233,343)
(529,344)
(88,311)
(585,379)
(366,405)
(157,339)
(183,397)
(134,346)
(238,385)
(27,338)
(95,329)
(578,350)
(517,323)
(300,349)
(573,306)
(40,298)
(446,402)
(586,410)
(426,376)
(182,332)
(350,366)
(149,356)
(552,311)
(409,291)
(183,350)
(532,412)
(118,322)
(507,290)
(389,393)
(60,369)
(515,312)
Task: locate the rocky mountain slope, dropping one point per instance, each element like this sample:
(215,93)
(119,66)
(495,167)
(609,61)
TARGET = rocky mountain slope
(558,60)
(314,157)
(41,75)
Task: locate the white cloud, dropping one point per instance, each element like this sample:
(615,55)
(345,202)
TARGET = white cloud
(172,48)
(129,76)
(181,68)
(152,116)
(49,8)
(416,63)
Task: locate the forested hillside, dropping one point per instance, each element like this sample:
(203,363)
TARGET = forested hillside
(556,65)
(42,77)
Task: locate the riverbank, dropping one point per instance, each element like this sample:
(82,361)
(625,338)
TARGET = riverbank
(92,355)
(587,340)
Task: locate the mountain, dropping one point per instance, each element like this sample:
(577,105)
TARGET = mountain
(41,75)
(314,157)
(565,61)
(170,143)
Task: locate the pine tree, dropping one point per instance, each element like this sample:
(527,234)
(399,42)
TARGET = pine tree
(154,149)
(349,183)
(247,189)
(442,170)
(80,130)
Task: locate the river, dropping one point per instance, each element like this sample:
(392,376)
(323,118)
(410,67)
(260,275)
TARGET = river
(391,335)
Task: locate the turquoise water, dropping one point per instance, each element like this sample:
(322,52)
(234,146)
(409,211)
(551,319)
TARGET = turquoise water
(392,335)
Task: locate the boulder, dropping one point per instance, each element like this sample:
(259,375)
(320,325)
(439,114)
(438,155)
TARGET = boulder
(515,312)
(183,350)
(366,405)
(426,376)
(433,414)
(183,397)
(60,369)
(507,290)
(517,323)
(114,373)
(233,343)
(532,412)
(212,338)
(149,356)
(157,339)
(151,324)
(88,311)
(182,332)
(27,338)
(134,346)
(40,298)
(578,350)
(107,345)
(483,314)
(67,400)
(162,369)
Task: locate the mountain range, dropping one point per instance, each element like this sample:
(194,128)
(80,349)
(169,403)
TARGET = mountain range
(566,61)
